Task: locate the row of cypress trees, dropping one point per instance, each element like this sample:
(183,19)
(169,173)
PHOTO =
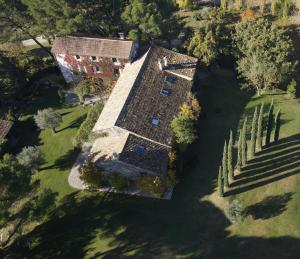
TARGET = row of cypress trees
(226,169)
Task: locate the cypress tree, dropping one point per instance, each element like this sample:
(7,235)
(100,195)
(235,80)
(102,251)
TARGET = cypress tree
(220,182)
(277,126)
(270,124)
(239,156)
(224,165)
(229,159)
(260,129)
(244,143)
(253,133)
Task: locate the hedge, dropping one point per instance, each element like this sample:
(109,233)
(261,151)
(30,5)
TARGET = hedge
(86,127)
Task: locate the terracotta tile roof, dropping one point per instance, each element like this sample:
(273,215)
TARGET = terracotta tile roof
(146,101)
(5,127)
(145,154)
(112,48)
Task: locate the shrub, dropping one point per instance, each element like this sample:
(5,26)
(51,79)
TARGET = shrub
(171,178)
(292,89)
(151,184)
(30,157)
(61,94)
(86,127)
(235,212)
(184,124)
(117,181)
(172,159)
(91,174)
(81,90)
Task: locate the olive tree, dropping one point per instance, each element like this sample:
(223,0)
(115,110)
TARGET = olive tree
(48,119)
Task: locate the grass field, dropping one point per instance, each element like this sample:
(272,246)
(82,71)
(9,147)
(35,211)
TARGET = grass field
(192,224)
(57,149)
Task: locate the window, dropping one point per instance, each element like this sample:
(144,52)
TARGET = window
(81,69)
(165,91)
(140,150)
(77,57)
(155,121)
(97,69)
(170,79)
(114,60)
(116,72)
(94,58)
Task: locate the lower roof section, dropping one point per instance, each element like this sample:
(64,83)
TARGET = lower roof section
(145,154)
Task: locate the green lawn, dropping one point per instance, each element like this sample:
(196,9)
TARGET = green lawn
(57,149)
(192,224)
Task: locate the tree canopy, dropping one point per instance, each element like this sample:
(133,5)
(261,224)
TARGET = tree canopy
(143,19)
(48,119)
(263,53)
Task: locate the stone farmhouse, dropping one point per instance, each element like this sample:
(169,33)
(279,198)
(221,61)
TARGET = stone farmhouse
(134,127)
(103,58)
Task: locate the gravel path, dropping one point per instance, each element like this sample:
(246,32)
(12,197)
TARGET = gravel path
(73,178)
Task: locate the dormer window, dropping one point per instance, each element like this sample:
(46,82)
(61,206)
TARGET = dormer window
(114,60)
(170,79)
(77,57)
(165,91)
(140,150)
(97,69)
(155,121)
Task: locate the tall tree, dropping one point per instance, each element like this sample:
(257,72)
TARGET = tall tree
(263,59)
(253,133)
(229,159)
(270,123)
(220,182)
(260,129)
(143,19)
(224,165)
(244,143)
(277,126)
(54,17)
(239,156)
(15,17)
(204,46)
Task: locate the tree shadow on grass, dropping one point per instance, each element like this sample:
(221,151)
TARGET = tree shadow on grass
(75,123)
(64,162)
(269,207)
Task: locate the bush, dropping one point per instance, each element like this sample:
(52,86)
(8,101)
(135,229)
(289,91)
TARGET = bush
(292,88)
(86,127)
(91,174)
(171,178)
(151,184)
(30,157)
(117,181)
(235,212)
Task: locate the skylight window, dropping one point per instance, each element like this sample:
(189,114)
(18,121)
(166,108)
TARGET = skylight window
(94,58)
(166,91)
(77,57)
(170,79)
(155,121)
(140,150)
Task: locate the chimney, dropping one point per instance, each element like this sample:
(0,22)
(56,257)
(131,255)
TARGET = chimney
(121,35)
(160,64)
(165,61)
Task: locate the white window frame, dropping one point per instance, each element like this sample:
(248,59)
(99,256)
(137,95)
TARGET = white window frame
(96,60)
(77,58)
(117,62)
(95,70)
(80,70)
